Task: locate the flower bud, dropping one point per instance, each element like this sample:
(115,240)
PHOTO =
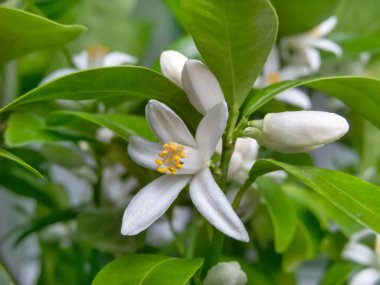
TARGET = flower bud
(301,131)
(226,273)
(172,63)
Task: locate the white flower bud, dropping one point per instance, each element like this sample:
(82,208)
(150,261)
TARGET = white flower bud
(172,63)
(301,131)
(226,273)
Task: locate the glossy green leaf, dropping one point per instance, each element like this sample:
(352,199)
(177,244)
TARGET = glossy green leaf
(323,209)
(27,127)
(358,198)
(120,124)
(361,94)
(146,269)
(122,81)
(282,212)
(6,154)
(22,32)
(234,39)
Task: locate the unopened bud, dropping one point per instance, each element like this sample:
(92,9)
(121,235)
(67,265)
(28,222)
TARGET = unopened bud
(226,273)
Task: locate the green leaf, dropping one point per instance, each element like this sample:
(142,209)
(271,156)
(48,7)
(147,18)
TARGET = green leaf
(361,94)
(5,279)
(323,209)
(338,273)
(234,39)
(122,81)
(22,32)
(27,127)
(134,269)
(122,125)
(10,156)
(358,198)
(282,212)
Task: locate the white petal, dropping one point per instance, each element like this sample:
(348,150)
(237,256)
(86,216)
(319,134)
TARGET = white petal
(328,45)
(57,74)
(143,152)
(358,253)
(214,206)
(151,202)
(368,276)
(295,97)
(172,63)
(166,124)
(81,60)
(119,58)
(313,58)
(272,65)
(201,86)
(327,26)
(294,72)
(211,128)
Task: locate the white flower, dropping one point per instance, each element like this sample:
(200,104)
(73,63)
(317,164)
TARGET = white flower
(242,159)
(306,45)
(184,160)
(272,74)
(198,82)
(300,131)
(226,273)
(357,252)
(104,135)
(95,56)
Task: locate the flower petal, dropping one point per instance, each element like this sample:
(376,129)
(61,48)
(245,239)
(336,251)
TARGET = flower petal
(143,152)
(166,124)
(313,58)
(211,202)
(151,202)
(295,97)
(359,253)
(81,60)
(211,128)
(327,45)
(201,86)
(294,72)
(119,58)
(327,26)
(368,276)
(172,63)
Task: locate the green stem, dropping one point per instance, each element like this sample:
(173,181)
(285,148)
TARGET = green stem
(216,247)
(179,244)
(67,56)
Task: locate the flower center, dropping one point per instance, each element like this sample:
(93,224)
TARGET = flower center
(170,158)
(96,54)
(273,77)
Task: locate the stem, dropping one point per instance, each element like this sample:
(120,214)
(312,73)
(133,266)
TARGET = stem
(180,246)
(215,251)
(67,56)
(98,185)
(241,192)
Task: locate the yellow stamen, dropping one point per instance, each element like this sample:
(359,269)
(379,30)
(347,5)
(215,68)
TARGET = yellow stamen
(170,157)
(315,32)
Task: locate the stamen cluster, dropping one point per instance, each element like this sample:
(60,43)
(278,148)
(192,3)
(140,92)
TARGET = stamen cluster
(170,158)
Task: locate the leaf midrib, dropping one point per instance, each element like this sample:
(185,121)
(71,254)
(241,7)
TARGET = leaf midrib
(153,268)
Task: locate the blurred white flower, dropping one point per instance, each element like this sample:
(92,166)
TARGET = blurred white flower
(198,82)
(63,233)
(184,160)
(305,46)
(94,56)
(161,232)
(226,273)
(104,135)
(272,74)
(117,189)
(300,131)
(369,258)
